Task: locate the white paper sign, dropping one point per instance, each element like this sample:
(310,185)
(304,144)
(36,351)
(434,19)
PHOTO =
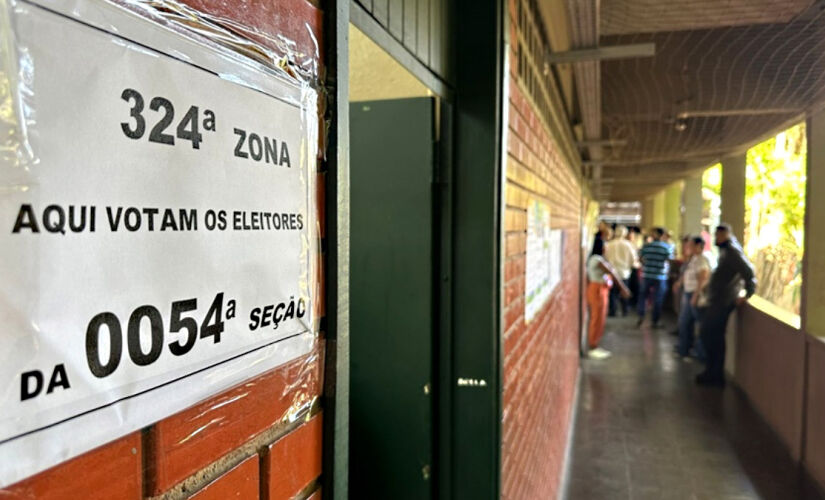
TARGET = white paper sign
(157,230)
(555,256)
(537,282)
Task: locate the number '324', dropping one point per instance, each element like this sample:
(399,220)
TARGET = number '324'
(188,128)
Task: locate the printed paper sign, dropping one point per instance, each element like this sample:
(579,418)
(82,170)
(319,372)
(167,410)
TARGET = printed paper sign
(537,286)
(157,230)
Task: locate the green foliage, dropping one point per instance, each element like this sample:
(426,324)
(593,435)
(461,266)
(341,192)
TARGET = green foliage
(711,195)
(712,179)
(775,214)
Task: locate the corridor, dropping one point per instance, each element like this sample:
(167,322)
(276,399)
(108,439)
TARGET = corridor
(643,430)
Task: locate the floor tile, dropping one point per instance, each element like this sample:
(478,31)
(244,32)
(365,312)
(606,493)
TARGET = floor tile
(644,431)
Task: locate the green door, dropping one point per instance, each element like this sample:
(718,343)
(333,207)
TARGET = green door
(392,299)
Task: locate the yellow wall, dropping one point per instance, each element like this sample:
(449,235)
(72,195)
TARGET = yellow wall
(658,209)
(673,209)
(814,290)
(375,75)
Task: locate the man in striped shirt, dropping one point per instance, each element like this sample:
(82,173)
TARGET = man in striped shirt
(655,257)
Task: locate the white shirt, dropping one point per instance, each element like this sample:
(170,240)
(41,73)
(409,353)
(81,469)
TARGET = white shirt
(595,274)
(695,265)
(622,255)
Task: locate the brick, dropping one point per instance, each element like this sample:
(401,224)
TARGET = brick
(240,483)
(515,220)
(515,267)
(267,22)
(192,439)
(111,471)
(514,314)
(293,462)
(514,290)
(541,357)
(516,243)
(516,197)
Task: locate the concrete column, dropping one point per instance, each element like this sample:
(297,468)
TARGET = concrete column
(647,213)
(673,209)
(692,201)
(733,193)
(658,209)
(813,266)
(733,213)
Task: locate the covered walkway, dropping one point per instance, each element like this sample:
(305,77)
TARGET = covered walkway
(643,430)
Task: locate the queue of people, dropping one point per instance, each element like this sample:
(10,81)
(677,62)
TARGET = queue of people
(620,273)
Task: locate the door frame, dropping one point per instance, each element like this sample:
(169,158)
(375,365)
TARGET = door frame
(470,173)
(478,260)
(335,248)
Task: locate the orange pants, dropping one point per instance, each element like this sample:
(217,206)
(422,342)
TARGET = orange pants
(597,295)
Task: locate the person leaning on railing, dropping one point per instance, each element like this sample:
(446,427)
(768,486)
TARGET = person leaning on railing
(723,296)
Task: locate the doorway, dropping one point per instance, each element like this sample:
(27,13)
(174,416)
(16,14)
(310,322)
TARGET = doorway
(395,220)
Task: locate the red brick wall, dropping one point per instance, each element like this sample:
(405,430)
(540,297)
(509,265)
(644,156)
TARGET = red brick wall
(541,358)
(261,439)
(237,442)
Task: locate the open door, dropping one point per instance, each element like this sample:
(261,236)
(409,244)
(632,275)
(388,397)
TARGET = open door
(393,314)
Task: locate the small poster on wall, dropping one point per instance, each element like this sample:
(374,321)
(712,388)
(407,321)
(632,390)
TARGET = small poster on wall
(537,283)
(554,256)
(544,258)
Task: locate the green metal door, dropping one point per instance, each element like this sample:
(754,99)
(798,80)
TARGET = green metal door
(392,298)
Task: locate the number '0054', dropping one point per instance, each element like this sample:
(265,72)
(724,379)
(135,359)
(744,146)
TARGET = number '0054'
(211,326)
(188,128)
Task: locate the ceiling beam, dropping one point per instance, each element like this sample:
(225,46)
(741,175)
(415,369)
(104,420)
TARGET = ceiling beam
(602,142)
(667,117)
(602,53)
(677,169)
(708,113)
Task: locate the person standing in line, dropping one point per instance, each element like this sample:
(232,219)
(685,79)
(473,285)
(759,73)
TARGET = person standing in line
(677,289)
(655,257)
(706,236)
(633,237)
(621,255)
(602,233)
(600,276)
(668,238)
(723,296)
(694,279)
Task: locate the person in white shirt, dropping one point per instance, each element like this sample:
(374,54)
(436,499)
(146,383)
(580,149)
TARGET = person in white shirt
(621,254)
(694,280)
(600,277)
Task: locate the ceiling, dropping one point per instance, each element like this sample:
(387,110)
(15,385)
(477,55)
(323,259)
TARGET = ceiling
(726,74)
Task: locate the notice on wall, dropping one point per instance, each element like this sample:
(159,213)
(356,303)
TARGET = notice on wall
(537,284)
(157,226)
(555,256)
(545,249)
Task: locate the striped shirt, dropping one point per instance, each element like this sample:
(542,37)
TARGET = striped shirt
(655,256)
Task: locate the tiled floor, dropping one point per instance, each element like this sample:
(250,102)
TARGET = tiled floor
(645,431)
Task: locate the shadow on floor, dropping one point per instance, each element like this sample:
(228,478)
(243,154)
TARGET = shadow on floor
(644,430)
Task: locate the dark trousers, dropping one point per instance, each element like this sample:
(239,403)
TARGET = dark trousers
(633,285)
(616,299)
(712,331)
(655,288)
